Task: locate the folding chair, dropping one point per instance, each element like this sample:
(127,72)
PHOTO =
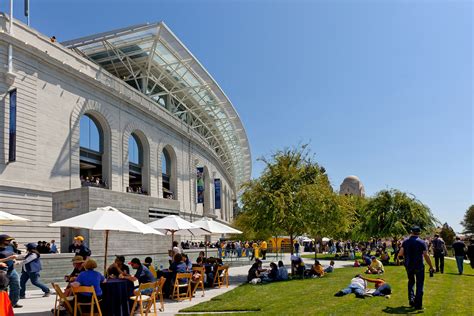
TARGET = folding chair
(145,301)
(159,292)
(199,283)
(93,303)
(182,282)
(222,276)
(61,299)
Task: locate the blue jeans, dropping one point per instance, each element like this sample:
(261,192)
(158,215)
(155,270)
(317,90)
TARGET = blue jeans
(34,277)
(416,276)
(353,289)
(219,253)
(14,287)
(460,263)
(384,289)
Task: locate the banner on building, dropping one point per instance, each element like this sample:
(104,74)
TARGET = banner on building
(200,185)
(217,194)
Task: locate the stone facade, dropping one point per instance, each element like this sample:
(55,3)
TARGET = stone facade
(55,87)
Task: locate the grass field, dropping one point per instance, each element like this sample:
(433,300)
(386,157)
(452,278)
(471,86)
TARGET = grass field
(445,294)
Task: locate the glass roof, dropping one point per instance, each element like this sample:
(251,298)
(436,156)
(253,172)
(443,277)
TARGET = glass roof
(152,59)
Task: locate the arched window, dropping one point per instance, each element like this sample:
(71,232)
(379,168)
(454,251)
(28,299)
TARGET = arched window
(135,164)
(166,174)
(91,152)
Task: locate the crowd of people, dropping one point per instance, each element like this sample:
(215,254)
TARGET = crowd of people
(412,252)
(93,182)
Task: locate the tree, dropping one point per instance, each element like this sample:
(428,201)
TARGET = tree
(327,214)
(278,199)
(468,221)
(392,213)
(447,233)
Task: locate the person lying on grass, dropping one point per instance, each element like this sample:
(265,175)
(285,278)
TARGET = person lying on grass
(381,287)
(375,267)
(358,286)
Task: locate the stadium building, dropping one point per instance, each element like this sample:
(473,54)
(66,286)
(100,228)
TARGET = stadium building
(127,118)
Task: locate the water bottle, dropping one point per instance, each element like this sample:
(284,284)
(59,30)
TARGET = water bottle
(161,267)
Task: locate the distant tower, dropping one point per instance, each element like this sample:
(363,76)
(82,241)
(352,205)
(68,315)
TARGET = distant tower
(352,186)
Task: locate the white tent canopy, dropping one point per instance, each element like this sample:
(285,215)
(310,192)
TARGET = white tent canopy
(215,227)
(106,219)
(175,225)
(7,218)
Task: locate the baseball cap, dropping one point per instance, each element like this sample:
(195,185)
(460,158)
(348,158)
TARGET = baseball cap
(6,237)
(79,238)
(416,229)
(31,245)
(135,260)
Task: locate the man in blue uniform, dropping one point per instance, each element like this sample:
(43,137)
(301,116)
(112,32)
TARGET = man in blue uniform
(414,249)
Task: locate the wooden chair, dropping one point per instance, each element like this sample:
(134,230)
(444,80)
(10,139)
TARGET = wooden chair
(61,299)
(93,303)
(200,282)
(145,301)
(159,292)
(185,284)
(222,276)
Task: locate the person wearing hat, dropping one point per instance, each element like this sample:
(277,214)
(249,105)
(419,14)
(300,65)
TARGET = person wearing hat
(30,271)
(142,275)
(7,252)
(79,248)
(78,265)
(375,267)
(414,249)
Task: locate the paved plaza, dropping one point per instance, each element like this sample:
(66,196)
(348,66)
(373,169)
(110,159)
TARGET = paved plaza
(36,305)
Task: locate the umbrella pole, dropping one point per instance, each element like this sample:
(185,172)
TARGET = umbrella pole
(106,248)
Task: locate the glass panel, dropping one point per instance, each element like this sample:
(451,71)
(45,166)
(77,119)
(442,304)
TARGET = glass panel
(89,134)
(134,150)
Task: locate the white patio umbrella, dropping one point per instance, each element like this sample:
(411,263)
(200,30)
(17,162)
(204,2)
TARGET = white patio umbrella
(7,218)
(107,219)
(215,227)
(175,225)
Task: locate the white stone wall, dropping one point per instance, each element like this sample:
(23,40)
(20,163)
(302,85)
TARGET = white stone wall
(55,88)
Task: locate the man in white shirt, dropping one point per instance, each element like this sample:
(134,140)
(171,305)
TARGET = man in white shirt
(358,286)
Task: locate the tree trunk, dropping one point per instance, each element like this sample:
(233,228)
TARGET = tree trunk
(315,250)
(291,254)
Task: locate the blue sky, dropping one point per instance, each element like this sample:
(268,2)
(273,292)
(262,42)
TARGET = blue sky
(380,89)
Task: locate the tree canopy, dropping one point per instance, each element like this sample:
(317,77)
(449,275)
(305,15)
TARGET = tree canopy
(293,196)
(468,221)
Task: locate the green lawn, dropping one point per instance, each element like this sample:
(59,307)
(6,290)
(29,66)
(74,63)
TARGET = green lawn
(445,294)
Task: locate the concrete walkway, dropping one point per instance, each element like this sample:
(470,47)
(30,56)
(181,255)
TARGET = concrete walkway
(36,305)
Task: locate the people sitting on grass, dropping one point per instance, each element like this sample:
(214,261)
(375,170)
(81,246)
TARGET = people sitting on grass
(316,270)
(357,286)
(298,266)
(272,276)
(385,258)
(330,268)
(356,263)
(375,267)
(282,272)
(253,275)
(367,258)
(381,287)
